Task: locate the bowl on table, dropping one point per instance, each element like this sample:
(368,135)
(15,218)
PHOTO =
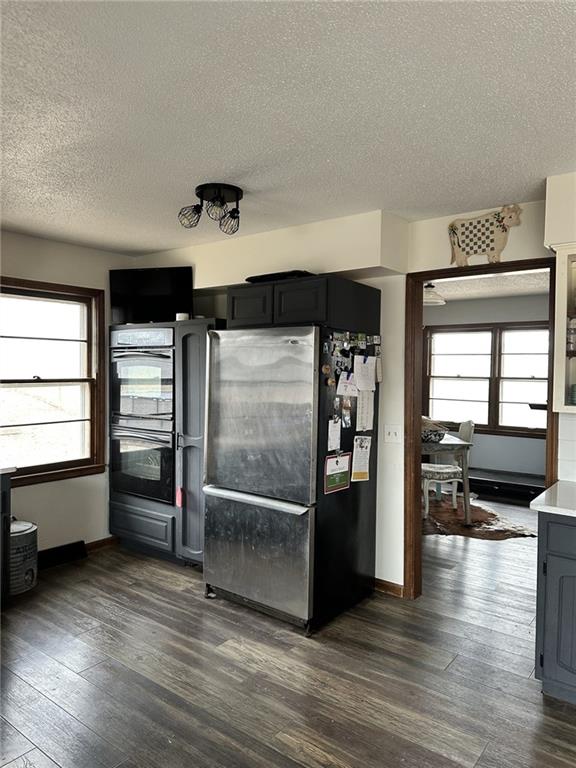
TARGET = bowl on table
(432,435)
(432,431)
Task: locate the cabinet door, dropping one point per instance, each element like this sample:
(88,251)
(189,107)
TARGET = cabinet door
(144,526)
(250,305)
(300,301)
(560,621)
(190,387)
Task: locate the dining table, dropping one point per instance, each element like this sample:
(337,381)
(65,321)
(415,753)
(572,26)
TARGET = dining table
(460,449)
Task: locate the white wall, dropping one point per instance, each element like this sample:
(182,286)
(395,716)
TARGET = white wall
(497,310)
(367,241)
(390,492)
(526,455)
(75,509)
(430,246)
(508,454)
(349,242)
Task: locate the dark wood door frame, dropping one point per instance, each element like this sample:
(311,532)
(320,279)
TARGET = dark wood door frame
(413,402)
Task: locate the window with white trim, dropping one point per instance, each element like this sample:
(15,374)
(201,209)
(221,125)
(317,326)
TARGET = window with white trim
(495,375)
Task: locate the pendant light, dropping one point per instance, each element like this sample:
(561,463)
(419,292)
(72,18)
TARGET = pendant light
(214,199)
(431,297)
(216,208)
(230,222)
(189,216)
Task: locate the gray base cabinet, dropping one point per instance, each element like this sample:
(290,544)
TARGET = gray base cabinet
(148,527)
(556,607)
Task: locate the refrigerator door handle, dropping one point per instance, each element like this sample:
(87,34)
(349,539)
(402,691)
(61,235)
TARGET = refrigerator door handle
(258,501)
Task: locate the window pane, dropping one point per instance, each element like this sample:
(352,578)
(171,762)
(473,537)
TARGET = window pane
(459,389)
(454,410)
(31,403)
(524,391)
(26,358)
(44,444)
(461,365)
(48,318)
(525,366)
(525,341)
(477,342)
(521,415)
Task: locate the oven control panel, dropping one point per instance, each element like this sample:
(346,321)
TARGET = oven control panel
(142,337)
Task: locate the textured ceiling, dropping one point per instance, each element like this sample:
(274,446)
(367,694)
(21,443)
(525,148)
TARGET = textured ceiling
(495,286)
(114,111)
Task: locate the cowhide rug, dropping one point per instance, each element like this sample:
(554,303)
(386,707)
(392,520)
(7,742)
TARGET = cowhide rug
(486,524)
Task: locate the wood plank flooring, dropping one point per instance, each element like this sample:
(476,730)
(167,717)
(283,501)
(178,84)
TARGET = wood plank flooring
(119,662)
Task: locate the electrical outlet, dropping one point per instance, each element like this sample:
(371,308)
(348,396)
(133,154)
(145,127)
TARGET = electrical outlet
(392,433)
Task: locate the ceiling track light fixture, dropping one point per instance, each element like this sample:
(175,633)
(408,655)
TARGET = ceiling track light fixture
(214,199)
(431,297)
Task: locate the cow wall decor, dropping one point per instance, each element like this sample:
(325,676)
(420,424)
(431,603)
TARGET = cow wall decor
(485,235)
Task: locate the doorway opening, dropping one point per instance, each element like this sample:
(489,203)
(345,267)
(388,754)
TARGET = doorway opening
(480,365)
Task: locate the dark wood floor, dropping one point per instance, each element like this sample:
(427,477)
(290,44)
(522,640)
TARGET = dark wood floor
(120,661)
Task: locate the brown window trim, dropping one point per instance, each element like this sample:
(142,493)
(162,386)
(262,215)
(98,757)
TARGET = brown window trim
(494,380)
(96,363)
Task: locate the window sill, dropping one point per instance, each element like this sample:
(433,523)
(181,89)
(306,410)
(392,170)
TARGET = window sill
(58,474)
(536,434)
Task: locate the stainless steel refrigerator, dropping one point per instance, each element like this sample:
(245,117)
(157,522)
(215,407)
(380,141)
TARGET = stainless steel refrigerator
(274,538)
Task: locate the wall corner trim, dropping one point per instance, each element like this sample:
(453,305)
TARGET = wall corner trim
(389,588)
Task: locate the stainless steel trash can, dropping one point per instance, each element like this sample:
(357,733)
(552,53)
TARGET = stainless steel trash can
(23,556)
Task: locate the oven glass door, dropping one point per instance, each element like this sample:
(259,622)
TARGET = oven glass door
(142,463)
(142,383)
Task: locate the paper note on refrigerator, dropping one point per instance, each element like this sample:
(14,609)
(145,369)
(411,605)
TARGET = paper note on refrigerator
(365,372)
(334,428)
(361,459)
(337,473)
(365,412)
(347,386)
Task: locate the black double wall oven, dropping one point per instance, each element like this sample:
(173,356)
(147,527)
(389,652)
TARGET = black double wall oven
(142,432)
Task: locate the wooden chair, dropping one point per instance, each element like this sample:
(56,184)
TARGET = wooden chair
(438,474)
(449,472)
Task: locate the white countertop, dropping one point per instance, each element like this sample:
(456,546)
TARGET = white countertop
(559,499)
(7,470)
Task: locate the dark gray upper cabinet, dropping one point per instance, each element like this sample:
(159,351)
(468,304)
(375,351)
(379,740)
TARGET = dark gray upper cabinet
(322,300)
(250,305)
(556,611)
(301,301)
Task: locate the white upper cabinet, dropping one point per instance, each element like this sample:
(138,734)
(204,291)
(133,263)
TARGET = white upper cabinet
(560,236)
(560,226)
(565,331)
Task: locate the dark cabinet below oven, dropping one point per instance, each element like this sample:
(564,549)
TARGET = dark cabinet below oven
(148,527)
